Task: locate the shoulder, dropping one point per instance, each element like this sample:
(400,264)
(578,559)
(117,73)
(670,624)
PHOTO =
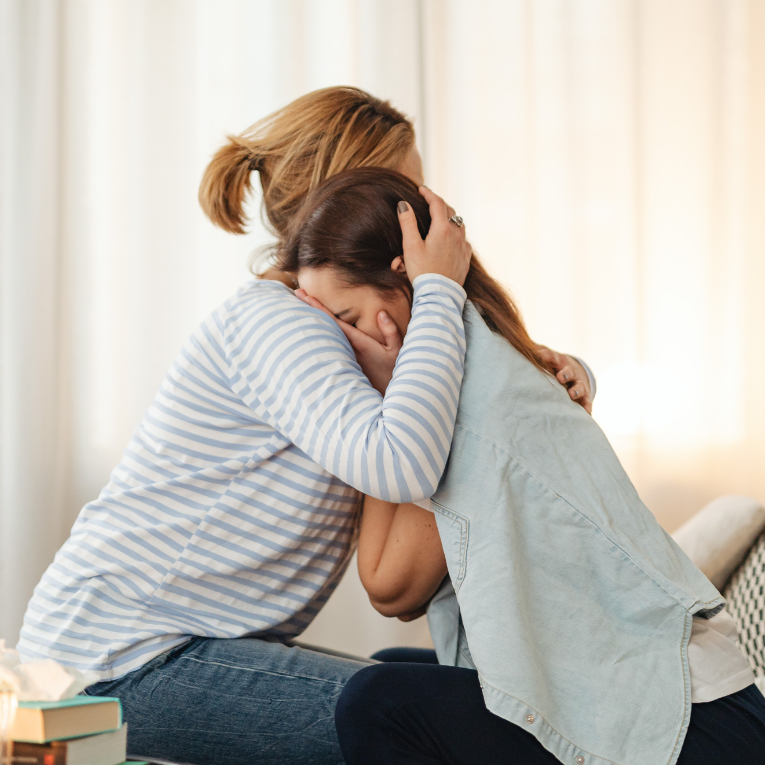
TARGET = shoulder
(259,295)
(269,314)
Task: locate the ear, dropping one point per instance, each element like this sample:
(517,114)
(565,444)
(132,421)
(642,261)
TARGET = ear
(397,265)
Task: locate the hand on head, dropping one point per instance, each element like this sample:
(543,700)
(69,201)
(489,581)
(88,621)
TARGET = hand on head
(445,250)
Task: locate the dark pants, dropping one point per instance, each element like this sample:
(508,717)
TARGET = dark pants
(425,714)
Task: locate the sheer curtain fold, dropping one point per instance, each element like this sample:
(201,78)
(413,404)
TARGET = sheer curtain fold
(607,157)
(31,464)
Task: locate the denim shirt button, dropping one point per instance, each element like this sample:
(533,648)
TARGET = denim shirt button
(580,760)
(529,719)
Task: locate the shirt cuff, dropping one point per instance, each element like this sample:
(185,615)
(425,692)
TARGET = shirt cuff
(427,284)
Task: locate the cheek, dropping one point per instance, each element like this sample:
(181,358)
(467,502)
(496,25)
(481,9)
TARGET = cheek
(401,314)
(368,325)
(398,309)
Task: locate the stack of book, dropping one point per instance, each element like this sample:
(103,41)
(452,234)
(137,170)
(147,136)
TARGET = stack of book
(85,730)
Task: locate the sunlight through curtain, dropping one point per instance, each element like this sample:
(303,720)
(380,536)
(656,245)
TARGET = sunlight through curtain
(608,158)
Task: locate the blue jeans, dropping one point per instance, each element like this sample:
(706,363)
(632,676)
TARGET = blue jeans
(235,701)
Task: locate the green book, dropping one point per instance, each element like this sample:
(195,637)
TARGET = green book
(38,722)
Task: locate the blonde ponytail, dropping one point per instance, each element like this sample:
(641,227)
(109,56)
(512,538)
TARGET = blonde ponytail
(297,148)
(226,185)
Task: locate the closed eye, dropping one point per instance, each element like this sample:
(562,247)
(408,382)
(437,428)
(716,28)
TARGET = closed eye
(346,317)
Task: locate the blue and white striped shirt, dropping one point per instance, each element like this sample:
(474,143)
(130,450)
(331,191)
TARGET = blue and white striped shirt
(234,507)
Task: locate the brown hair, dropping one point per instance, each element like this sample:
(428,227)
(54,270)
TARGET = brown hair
(298,147)
(350,224)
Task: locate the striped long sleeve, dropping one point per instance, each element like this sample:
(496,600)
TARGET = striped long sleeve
(233,509)
(300,376)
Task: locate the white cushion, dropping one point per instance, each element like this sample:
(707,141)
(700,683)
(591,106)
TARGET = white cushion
(720,535)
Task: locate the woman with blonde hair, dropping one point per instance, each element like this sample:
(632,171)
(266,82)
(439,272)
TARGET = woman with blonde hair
(311,139)
(232,515)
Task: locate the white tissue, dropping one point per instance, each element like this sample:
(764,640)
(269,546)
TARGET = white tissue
(42,679)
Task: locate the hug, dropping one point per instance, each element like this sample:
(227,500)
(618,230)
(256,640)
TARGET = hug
(376,389)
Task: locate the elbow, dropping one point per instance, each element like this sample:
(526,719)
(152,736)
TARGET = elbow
(401,493)
(391,608)
(396,601)
(382,595)
(386,599)
(401,496)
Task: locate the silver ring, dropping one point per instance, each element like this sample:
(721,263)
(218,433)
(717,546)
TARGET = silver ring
(457,221)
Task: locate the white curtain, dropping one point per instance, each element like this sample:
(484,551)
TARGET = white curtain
(606,154)
(608,157)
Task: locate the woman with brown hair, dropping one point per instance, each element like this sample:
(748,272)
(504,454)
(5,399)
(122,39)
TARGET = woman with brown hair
(232,515)
(568,603)
(350,264)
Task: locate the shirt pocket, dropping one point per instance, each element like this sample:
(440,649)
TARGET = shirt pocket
(454,531)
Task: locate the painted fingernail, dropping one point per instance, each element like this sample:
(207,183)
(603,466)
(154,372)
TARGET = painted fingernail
(576,392)
(565,376)
(402,207)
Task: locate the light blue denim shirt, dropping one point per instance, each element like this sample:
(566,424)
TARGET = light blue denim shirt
(576,605)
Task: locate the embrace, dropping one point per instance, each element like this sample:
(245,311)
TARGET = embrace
(377,388)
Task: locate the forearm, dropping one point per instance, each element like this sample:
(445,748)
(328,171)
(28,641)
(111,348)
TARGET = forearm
(401,560)
(297,372)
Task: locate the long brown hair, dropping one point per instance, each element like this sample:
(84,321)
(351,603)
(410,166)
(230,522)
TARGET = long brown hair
(350,224)
(296,148)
